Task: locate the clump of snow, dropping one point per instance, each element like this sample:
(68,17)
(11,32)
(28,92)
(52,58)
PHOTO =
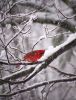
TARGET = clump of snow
(69,39)
(41,37)
(32,17)
(3,54)
(47,53)
(51,50)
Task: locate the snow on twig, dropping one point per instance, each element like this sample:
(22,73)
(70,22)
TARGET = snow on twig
(69,43)
(51,50)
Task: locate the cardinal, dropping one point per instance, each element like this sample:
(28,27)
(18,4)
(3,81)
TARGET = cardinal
(38,55)
(33,56)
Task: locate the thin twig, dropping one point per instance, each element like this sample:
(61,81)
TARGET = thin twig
(15,35)
(63,73)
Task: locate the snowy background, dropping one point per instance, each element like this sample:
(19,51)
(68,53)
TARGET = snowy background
(27,25)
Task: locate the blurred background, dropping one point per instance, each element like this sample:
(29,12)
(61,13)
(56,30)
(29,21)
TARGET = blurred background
(33,25)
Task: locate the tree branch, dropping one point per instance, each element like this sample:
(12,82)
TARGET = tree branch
(63,73)
(36,85)
(56,52)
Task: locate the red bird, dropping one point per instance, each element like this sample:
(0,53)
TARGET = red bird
(33,56)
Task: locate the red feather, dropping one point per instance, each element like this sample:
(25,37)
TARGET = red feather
(33,56)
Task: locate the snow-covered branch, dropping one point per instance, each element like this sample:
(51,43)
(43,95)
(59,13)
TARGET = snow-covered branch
(47,58)
(36,85)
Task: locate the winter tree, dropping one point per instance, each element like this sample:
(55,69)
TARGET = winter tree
(37,49)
